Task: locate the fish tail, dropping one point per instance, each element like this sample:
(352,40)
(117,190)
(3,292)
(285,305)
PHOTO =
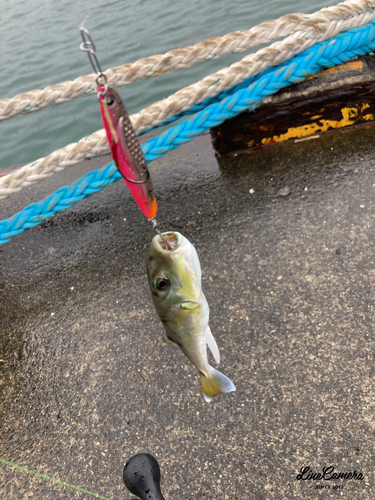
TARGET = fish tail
(214,382)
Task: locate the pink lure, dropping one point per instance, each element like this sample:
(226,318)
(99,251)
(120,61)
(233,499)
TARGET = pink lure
(126,150)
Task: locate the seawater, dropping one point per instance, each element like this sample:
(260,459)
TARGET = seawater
(40,46)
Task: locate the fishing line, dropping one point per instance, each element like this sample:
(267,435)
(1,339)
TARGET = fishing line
(50,478)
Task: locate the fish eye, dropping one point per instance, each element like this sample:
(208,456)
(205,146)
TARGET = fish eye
(110,100)
(162,284)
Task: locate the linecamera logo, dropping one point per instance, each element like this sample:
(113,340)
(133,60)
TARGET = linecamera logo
(327,474)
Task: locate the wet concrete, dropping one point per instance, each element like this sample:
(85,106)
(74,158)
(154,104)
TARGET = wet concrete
(86,382)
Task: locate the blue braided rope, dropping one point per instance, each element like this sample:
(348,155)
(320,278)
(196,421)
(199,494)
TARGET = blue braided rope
(225,93)
(326,54)
(338,50)
(63,198)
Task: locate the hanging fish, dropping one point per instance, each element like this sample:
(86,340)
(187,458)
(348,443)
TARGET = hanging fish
(126,151)
(174,277)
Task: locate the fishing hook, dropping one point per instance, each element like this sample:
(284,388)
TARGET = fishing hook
(155,224)
(137,182)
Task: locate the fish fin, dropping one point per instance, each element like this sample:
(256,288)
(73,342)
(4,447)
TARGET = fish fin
(167,341)
(190,305)
(215,383)
(212,345)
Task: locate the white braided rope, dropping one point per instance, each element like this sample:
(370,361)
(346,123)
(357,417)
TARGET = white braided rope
(213,48)
(158,112)
(250,65)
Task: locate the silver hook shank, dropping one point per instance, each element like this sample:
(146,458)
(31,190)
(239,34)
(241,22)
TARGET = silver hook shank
(157,230)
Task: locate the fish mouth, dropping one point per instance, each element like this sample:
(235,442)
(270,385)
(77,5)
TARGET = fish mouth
(171,243)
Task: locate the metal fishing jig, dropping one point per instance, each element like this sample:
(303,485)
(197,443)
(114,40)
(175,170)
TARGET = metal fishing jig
(126,150)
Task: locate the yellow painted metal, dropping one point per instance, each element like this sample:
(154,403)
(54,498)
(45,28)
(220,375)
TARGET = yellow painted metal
(350,116)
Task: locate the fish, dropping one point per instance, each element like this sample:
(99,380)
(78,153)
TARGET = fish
(126,150)
(174,277)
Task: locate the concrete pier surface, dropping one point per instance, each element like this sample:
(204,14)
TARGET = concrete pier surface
(86,382)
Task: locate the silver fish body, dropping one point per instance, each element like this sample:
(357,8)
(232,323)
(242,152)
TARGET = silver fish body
(174,277)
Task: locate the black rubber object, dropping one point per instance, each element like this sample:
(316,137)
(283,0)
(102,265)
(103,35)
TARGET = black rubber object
(142,477)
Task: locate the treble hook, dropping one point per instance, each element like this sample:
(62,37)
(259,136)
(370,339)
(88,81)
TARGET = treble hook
(88,46)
